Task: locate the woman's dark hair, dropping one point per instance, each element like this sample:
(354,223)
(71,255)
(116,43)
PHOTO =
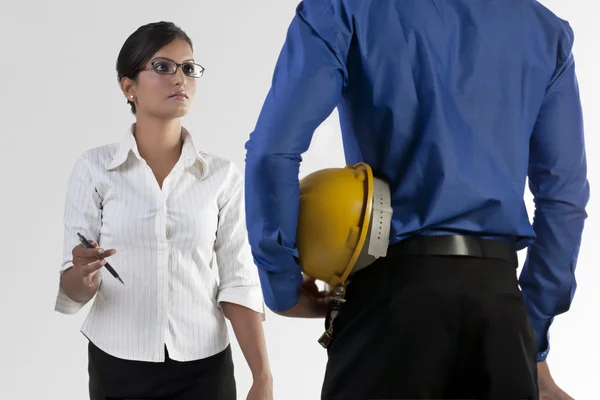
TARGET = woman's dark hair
(139,48)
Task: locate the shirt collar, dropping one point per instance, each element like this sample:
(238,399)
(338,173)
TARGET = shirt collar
(189,151)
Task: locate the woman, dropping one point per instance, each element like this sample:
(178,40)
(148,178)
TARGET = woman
(160,209)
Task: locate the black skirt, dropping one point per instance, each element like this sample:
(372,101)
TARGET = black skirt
(113,378)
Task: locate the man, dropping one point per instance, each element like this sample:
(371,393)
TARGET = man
(454,103)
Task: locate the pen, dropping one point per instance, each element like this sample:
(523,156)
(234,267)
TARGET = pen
(110,269)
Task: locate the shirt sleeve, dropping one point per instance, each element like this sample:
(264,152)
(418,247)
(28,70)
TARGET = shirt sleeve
(82,214)
(558,182)
(307,85)
(238,277)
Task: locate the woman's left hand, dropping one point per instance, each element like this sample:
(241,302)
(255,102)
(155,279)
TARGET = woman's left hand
(262,389)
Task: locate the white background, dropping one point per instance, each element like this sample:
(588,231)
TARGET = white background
(59,96)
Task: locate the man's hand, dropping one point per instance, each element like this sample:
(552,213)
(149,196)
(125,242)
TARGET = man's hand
(549,390)
(312,303)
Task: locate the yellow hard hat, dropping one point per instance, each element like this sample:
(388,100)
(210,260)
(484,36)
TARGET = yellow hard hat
(343,222)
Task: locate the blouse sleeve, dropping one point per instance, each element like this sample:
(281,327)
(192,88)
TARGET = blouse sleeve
(238,275)
(82,214)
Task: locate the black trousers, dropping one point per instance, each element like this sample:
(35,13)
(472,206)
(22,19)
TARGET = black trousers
(426,327)
(116,379)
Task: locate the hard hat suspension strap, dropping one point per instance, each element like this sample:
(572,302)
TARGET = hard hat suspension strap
(337,301)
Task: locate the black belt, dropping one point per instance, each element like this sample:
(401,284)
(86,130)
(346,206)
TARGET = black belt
(455,245)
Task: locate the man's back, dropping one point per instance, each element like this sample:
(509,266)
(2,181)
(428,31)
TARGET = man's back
(455,103)
(442,98)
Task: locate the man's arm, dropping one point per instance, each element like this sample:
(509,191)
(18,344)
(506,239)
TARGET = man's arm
(307,86)
(558,182)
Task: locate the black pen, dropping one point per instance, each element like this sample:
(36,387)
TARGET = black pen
(110,269)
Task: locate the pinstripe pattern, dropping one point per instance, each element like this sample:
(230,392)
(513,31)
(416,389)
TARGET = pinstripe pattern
(180,251)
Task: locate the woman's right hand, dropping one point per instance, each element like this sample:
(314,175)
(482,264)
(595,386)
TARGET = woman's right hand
(89,261)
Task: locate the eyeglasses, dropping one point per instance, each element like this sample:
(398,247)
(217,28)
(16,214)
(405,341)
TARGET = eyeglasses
(168,67)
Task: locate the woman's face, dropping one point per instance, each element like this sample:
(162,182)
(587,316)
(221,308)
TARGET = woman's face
(163,95)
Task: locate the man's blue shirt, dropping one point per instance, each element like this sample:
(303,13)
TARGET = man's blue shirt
(455,103)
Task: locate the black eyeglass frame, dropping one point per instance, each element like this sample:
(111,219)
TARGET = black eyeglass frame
(177,66)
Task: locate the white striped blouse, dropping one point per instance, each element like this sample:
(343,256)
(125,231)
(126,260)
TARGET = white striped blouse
(180,251)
